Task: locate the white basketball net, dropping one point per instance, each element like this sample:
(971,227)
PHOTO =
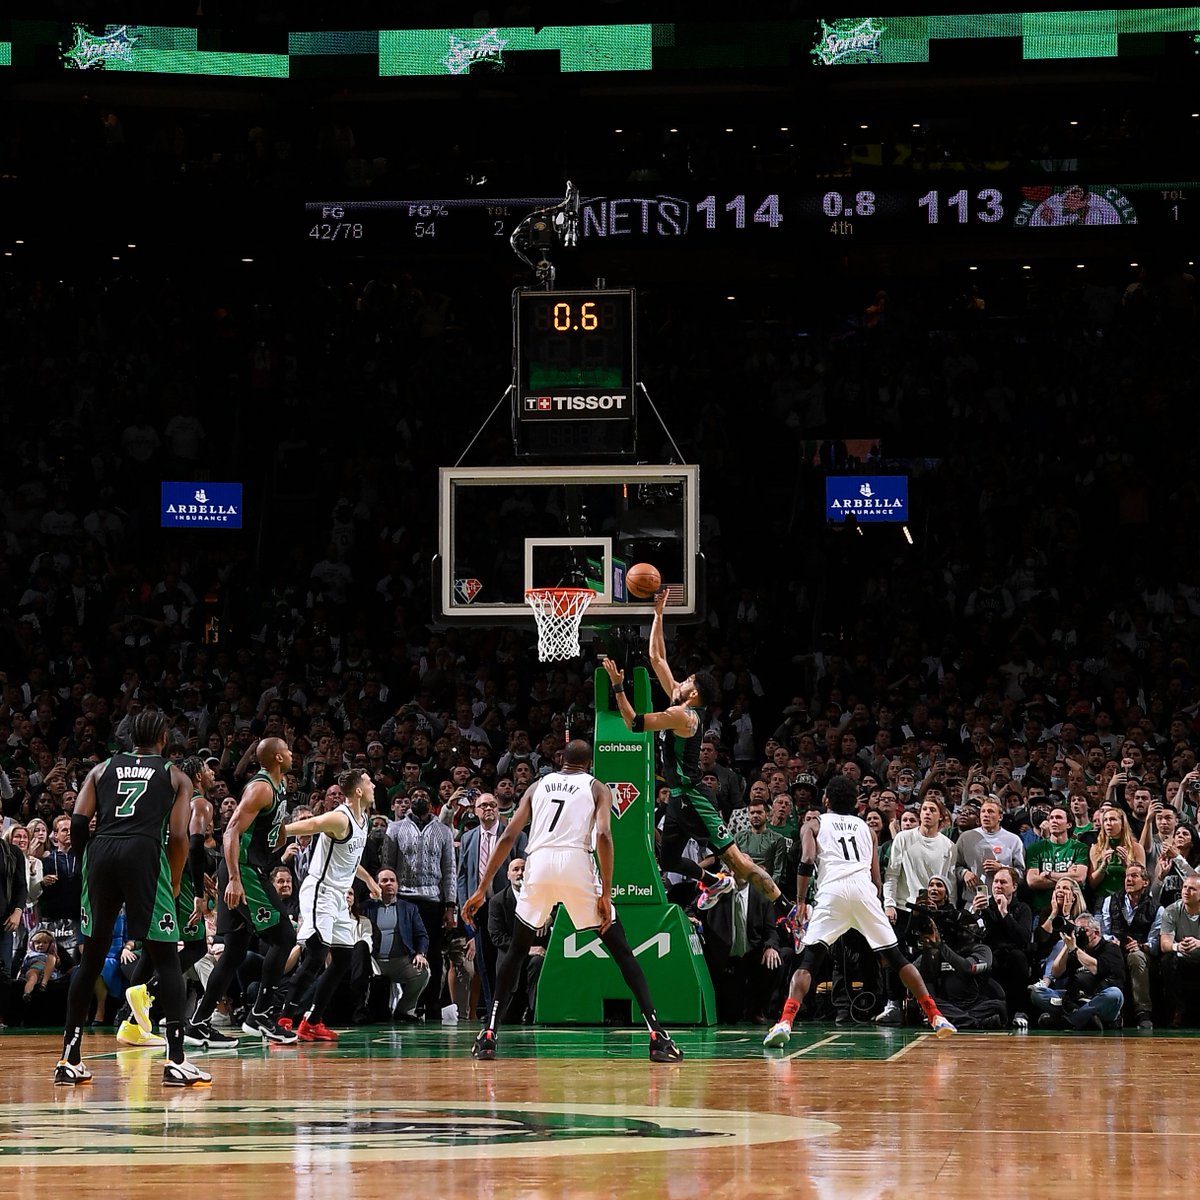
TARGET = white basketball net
(558,612)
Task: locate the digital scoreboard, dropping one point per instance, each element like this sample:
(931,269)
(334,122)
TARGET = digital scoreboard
(575,372)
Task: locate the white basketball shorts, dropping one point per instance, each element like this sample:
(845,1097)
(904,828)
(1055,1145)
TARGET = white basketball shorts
(849,904)
(324,910)
(566,877)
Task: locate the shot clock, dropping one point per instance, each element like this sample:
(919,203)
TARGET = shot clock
(575,372)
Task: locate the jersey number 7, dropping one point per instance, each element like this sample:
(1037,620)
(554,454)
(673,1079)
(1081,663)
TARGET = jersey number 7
(561,805)
(130,792)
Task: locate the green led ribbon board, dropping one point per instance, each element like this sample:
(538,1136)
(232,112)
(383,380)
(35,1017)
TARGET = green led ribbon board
(810,45)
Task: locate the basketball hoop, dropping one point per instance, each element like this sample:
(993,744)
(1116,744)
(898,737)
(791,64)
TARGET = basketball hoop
(558,612)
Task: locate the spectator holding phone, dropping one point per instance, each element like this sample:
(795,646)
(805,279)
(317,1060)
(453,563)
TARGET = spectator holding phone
(1114,851)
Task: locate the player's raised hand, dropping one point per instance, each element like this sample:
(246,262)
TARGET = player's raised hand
(660,602)
(614,672)
(374,890)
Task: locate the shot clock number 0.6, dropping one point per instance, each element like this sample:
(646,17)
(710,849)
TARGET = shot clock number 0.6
(587,317)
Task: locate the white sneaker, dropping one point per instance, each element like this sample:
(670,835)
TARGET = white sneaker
(779,1035)
(891,1014)
(1021,1023)
(942,1028)
(450,1014)
(185,1074)
(68,1074)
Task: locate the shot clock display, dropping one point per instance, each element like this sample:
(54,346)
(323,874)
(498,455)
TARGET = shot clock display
(575,371)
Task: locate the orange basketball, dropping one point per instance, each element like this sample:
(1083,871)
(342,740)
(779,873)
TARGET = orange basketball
(643,580)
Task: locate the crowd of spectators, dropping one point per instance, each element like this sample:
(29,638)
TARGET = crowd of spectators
(1024,668)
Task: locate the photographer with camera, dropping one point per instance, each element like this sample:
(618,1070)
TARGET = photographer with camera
(1008,933)
(954,963)
(1084,987)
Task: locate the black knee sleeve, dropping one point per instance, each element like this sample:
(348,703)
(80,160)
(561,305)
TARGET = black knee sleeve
(813,958)
(893,957)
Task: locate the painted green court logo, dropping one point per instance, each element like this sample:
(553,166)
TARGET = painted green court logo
(198,1128)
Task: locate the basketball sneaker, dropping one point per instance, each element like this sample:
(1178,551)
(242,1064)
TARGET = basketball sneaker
(69,1074)
(203,1035)
(266,1026)
(134,1035)
(712,892)
(315,1031)
(778,1035)
(941,1027)
(185,1074)
(663,1049)
(890,1014)
(139,1001)
(485,1045)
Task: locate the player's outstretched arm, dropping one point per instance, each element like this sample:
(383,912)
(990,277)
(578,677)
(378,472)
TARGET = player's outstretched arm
(334,823)
(680,719)
(658,646)
(501,851)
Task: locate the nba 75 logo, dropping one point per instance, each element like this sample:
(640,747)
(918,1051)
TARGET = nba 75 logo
(624,794)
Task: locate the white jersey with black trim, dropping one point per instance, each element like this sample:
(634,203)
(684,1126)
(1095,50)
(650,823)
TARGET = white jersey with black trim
(334,860)
(563,812)
(844,848)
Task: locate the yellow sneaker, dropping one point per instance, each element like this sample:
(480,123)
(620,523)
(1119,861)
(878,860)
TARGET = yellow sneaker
(139,1000)
(135,1035)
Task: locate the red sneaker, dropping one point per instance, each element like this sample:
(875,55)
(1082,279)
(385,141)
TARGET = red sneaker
(308,1032)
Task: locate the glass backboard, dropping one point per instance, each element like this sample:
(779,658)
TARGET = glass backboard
(503,530)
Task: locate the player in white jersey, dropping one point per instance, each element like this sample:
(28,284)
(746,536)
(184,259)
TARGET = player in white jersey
(564,810)
(327,929)
(841,847)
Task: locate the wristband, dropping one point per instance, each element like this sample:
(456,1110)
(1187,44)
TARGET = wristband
(638,724)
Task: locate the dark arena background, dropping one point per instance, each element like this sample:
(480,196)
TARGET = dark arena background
(330,332)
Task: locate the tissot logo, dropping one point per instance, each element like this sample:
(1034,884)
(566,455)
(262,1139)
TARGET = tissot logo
(606,404)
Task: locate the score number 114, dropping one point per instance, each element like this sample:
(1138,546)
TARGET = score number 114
(767,213)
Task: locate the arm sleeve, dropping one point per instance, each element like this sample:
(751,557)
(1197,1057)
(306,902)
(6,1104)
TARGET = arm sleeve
(197,861)
(80,833)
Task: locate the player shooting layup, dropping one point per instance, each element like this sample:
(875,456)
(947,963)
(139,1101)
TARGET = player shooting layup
(566,808)
(691,812)
(842,847)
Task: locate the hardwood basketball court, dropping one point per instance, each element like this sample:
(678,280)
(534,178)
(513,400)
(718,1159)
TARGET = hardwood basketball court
(863,1112)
